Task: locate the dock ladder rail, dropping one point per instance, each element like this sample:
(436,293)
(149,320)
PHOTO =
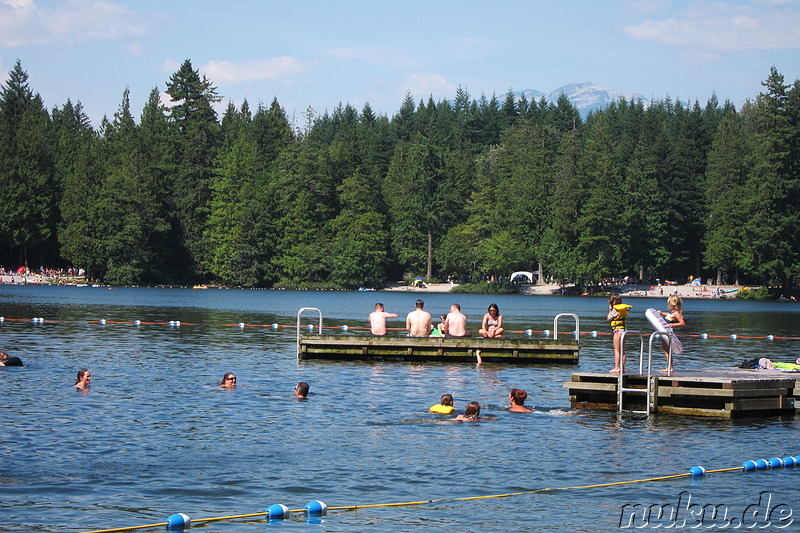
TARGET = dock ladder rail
(577,332)
(651,389)
(299,313)
(621,381)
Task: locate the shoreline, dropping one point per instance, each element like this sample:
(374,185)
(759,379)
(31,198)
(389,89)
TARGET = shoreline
(626,291)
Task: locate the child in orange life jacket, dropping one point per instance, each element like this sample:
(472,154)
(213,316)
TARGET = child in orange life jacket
(617,312)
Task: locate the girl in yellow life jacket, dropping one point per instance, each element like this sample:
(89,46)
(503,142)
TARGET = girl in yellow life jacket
(617,313)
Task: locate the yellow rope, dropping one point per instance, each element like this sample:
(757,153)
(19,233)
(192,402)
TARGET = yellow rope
(422,502)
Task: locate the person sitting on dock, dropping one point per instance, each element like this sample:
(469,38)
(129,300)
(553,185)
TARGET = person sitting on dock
(301,390)
(472,413)
(517,398)
(492,326)
(455,325)
(377,320)
(445,405)
(228,381)
(418,321)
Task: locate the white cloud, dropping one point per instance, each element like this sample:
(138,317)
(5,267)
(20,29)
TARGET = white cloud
(23,22)
(724,27)
(423,85)
(279,68)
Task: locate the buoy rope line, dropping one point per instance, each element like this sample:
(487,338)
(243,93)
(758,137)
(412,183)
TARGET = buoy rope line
(178,521)
(311,327)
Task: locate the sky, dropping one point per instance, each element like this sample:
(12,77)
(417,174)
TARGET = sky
(319,53)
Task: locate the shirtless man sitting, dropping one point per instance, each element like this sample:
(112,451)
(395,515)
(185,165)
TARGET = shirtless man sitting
(418,322)
(455,325)
(377,320)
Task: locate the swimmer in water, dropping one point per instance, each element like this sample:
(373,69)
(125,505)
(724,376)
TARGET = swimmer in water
(228,381)
(301,390)
(472,413)
(84,379)
(6,360)
(445,405)
(517,398)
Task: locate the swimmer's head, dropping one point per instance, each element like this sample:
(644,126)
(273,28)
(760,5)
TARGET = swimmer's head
(301,389)
(83,373)
(228,380)
(493,307)
(447,399)
(379,307)
(473,409)
(3,356)
(419,304)
(518,396)
(615,299)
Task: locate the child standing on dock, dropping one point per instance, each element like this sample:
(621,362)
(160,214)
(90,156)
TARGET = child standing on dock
(617,312)
(674,318)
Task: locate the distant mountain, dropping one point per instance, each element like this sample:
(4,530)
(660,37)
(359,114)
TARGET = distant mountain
(586,96)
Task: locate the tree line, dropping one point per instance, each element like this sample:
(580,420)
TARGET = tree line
(465,188)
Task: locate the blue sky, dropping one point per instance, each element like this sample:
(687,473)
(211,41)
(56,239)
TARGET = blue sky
(319,53)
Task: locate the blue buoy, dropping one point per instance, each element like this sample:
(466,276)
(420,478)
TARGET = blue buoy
(102,320)
(593,333)
(241,325)
(770,337)
(274,326)
(704,336)
(697,471)
(797,460)
(776,462)
(546,333)
(789,461)
(137,322)
(761,464)
(310,327)
(177,522)
(749,466)
(733,336)
(316,507)
(277,511)
(2,319)
(345,328)
(528,332)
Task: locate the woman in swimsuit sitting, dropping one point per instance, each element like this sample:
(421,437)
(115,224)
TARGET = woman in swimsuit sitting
(492,326)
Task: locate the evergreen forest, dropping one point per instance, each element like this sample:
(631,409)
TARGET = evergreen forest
(465,187)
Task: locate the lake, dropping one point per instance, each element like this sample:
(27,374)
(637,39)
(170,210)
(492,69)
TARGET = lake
(155,435)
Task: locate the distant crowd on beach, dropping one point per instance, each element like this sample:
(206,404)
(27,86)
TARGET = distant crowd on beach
(25,274)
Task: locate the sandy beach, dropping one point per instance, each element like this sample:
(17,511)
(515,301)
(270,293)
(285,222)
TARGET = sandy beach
(628,291)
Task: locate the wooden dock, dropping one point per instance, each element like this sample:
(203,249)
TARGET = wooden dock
(442,349)
(723,393)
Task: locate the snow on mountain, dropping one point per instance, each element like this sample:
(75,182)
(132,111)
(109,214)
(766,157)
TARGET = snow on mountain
(586,96)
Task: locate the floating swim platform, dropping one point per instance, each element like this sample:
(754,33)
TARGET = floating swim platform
(354,347)
(718,393)
(441,349)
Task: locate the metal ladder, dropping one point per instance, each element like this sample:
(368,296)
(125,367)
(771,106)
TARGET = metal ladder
(651,388)
(299,313)
(577,331)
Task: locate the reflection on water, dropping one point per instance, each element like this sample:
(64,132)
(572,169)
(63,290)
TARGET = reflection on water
(155,435)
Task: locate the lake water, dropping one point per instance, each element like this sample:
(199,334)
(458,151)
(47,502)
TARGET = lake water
(156,436)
